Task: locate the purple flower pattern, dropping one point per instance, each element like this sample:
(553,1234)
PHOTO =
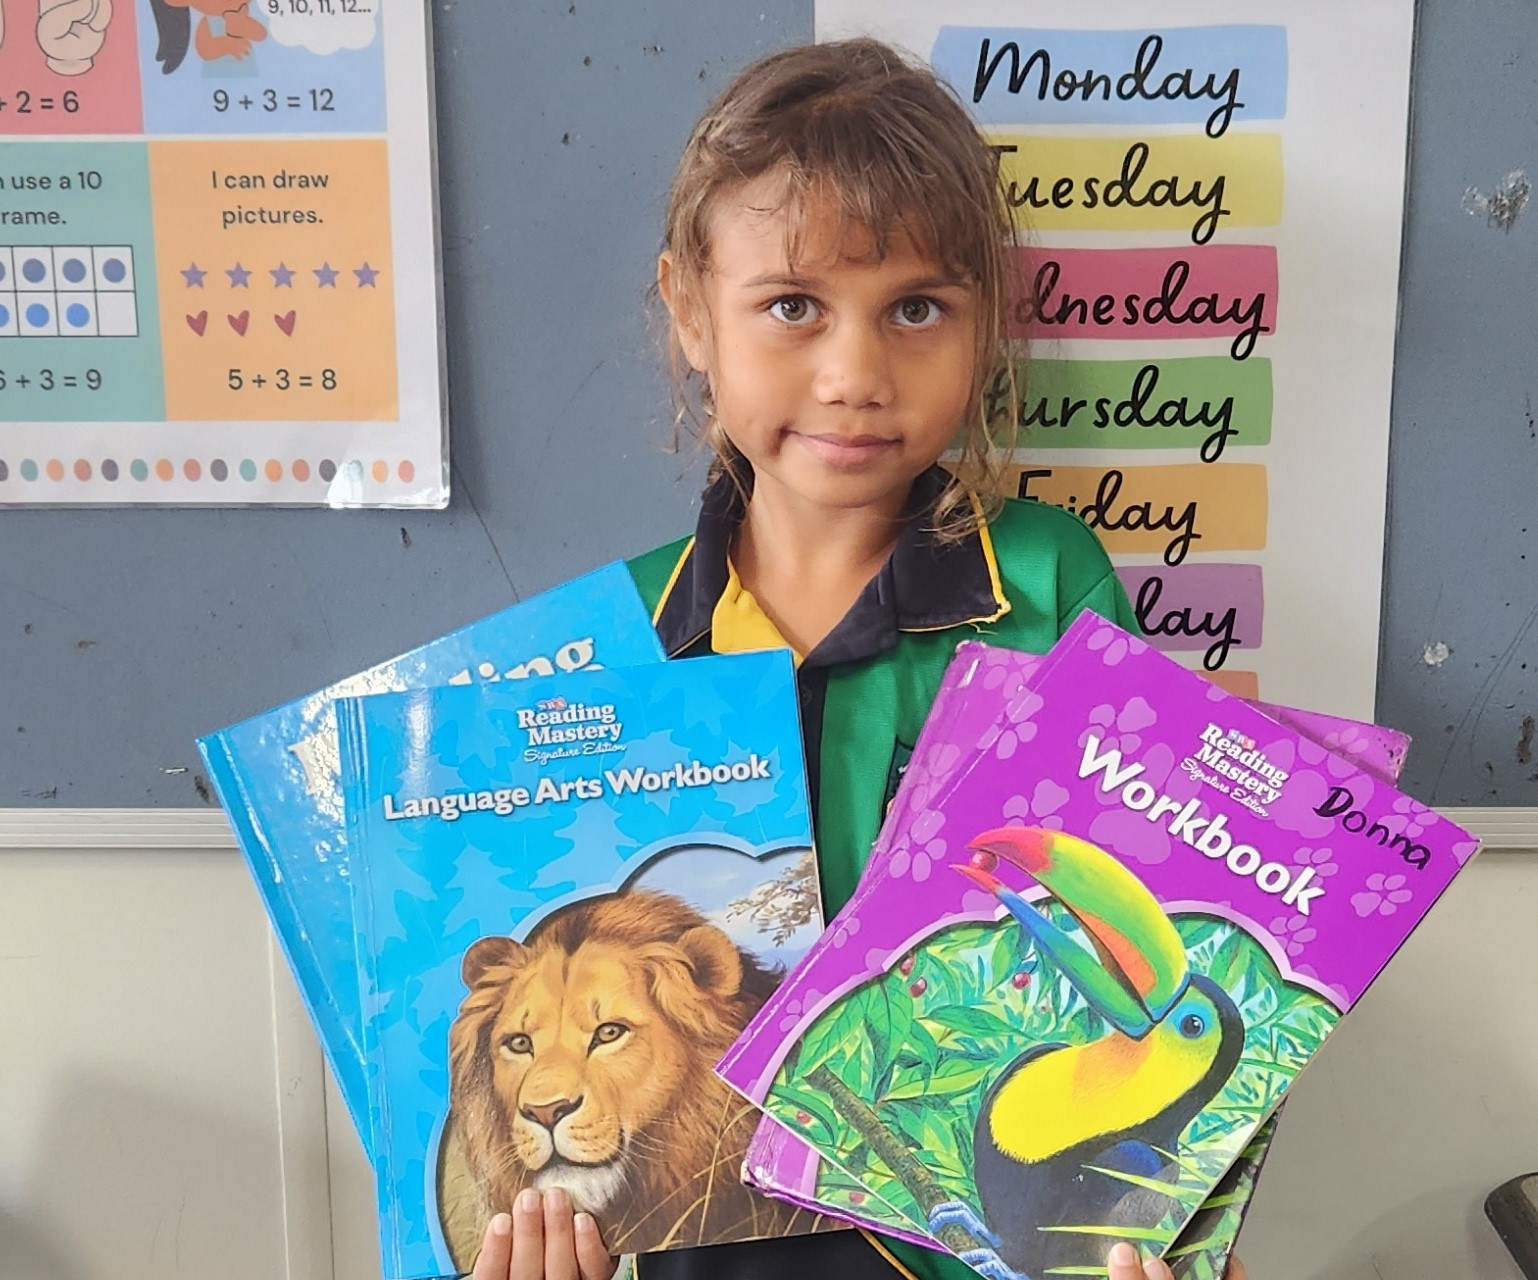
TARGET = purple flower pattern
(1293,933)
(1349,741)
(1321,860)
(1384,895)
(1114,645)
(1418,818)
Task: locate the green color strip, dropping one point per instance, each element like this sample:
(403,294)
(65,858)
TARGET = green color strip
(1205,404)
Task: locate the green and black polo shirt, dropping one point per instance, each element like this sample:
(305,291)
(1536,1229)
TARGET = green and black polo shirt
(865,691)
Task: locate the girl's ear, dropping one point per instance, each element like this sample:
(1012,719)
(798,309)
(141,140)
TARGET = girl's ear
(685,309)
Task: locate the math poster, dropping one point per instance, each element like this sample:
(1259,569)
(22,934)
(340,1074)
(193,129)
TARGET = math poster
(1211,194)
(218,254)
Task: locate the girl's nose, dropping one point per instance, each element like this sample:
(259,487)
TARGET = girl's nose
(855,368)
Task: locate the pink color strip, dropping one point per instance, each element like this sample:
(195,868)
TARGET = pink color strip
(1178,291)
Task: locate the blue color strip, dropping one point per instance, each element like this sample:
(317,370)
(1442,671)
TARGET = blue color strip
(1207,76)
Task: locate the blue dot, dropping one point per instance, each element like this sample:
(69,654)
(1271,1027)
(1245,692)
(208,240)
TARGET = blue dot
(34,270)
(78,314)
(114,270)
(5,316)
(74,270)
(37,315)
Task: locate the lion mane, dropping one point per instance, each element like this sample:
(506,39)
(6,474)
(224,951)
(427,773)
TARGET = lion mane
(583,1058)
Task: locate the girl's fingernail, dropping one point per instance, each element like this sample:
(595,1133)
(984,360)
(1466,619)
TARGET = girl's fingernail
(528,1201)
(556,1200)
(1154,1269)
(585,1224)
(1123,1255)
(502,1225)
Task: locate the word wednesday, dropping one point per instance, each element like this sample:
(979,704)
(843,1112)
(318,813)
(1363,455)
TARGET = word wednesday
(1141,83)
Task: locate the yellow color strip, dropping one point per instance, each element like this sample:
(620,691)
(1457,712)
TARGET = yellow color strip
(1184,182)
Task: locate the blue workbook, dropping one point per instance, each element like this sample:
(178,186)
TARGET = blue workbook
(276,775)
(574,893)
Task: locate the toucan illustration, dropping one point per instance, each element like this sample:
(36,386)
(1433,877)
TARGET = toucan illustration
(1058,1115)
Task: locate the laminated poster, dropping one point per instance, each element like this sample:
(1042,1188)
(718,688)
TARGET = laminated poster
(1212,194)
(218,254)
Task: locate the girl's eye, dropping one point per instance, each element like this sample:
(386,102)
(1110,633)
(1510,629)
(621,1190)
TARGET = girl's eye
(607,1033)
(793,310)
(918,313)
(518,1042)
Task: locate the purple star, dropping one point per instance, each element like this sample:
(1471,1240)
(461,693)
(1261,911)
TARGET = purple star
(193,276)
(282,277)
(239,276)
(326,275)
(366,275)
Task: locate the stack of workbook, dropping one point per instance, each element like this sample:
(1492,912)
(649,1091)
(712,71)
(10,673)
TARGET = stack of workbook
(532,882)
(1112,913)
(537,886)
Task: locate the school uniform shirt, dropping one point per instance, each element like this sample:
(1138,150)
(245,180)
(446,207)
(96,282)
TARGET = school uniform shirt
(864,692)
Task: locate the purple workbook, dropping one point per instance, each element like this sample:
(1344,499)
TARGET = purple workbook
(1116,913)
(779,1164)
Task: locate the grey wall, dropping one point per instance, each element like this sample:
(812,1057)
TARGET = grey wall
(1462,561)
(124,634)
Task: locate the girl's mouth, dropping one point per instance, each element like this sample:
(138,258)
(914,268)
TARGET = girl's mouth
(843,450)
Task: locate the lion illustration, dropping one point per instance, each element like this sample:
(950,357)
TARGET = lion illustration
(583,1059)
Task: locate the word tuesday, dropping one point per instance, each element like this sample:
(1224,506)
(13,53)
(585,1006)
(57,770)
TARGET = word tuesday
(1164,191)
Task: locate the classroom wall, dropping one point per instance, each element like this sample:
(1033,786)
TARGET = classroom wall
(124,634)
(166,1115)
(164,1111)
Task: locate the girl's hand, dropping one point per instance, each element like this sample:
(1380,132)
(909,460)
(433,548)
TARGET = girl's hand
(543,1240)
(1124,1265)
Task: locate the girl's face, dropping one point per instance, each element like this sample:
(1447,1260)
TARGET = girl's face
(840,378)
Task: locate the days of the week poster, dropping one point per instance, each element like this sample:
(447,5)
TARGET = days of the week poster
(218,255)
(1213,193)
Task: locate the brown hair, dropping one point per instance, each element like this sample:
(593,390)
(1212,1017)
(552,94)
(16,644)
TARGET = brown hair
(856,121)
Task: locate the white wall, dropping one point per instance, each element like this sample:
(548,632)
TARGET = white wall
(161,1093)
(164,1113)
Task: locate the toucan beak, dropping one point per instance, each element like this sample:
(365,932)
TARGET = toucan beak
(1141,967)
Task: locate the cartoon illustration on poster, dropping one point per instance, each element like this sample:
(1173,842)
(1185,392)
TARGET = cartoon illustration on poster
(217,254)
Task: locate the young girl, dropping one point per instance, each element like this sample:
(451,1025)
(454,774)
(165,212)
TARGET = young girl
(835,272)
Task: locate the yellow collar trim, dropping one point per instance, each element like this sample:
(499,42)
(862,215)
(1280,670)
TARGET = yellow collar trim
(995,583)
(875,1243)
(683,559)
(738,623)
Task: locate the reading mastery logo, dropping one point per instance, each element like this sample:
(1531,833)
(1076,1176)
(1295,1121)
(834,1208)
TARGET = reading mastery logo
(555,721)
(1235,756)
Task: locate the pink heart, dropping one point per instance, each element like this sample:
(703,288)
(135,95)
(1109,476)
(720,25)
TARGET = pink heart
(198,323)
(239,323)
(286,323)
